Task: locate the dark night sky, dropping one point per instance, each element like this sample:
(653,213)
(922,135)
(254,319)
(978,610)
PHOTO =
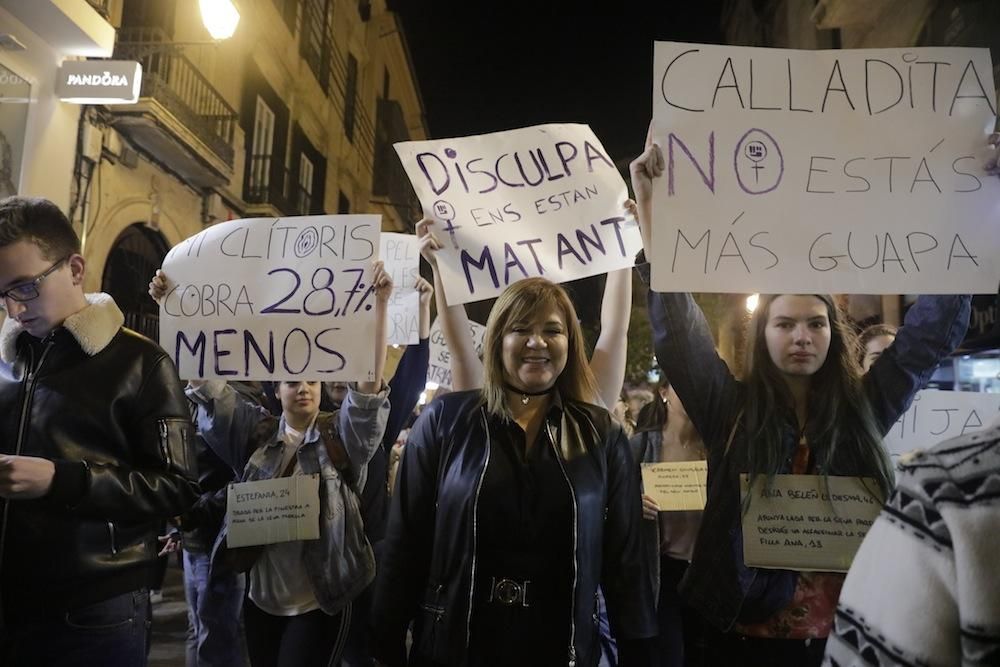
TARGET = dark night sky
(484,66)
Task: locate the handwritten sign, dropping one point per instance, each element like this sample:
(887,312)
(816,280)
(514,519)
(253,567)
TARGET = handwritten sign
(273,510)
(676,486)
(538,201)
(802,524)
(936,416)
(263,299)
(439,370)
(401,254)
(857,171)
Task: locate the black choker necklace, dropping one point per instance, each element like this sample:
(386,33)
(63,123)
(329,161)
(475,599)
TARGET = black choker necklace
(525,395)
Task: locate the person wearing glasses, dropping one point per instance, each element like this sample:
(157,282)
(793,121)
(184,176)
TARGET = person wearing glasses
(95,451)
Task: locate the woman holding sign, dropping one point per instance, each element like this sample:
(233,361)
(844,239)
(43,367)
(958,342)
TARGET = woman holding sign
(299,594)
(665,438)
(803,408)
(512,503)
(607,363)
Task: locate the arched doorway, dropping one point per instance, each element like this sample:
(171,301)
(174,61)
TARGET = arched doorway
(136,254)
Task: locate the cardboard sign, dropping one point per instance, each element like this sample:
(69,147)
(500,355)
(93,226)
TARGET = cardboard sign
(539,201)
(847,171)
(439,370)
(401,255)
(676,486)
(273,299)
(274,510)
(936,416)
(800,524)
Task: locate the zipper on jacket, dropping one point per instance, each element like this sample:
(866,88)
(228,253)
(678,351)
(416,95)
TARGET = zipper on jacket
(165,443)
(29,390)
(111,532)
(576,567)
(475,529)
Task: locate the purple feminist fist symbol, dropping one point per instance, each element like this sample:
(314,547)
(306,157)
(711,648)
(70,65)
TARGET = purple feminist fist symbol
(445,211)
(756,152)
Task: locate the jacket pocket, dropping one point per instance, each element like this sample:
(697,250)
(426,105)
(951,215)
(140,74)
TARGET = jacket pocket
(429,619)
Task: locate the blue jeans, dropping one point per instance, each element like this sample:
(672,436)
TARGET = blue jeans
(113,632)
(213,614)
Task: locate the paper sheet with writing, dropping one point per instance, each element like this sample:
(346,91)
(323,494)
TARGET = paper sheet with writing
(439,368)
(401,254)
(936,416)
(536,201)
(801,524)
(676,486)
(849,171)
(273,299)
(274,510)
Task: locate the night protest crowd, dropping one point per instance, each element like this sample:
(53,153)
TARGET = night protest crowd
(507,523)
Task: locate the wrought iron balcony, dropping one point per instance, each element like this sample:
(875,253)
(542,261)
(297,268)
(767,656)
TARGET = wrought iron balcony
(174,85)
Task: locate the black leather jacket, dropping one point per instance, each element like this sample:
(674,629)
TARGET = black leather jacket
(429,552)
(106,405)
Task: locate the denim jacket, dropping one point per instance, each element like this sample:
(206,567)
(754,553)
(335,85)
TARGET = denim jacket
(718,583)
(340,564)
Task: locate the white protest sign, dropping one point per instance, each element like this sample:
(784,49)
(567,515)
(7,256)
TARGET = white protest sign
(936,416)
(807,522)
(538,201)
(274,510)
(401,255)
(439,369)
(847,171)
(262,299)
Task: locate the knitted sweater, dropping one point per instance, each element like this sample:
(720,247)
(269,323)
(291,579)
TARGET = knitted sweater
(924,588)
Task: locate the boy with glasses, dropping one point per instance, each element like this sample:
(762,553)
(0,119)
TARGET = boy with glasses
(95,450)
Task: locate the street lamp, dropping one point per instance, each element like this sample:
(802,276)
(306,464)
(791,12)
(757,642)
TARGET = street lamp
(220,17)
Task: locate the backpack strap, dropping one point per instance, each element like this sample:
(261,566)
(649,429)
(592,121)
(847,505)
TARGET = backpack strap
(335,450)
(732,433)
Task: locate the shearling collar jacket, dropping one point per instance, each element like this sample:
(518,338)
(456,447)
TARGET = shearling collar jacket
(106,406)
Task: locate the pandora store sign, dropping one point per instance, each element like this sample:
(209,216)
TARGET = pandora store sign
(99,81)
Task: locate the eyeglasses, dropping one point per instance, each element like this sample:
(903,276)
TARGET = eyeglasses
(28,290)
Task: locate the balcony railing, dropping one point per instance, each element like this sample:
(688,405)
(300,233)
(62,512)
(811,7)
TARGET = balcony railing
(275,186)
(171,79)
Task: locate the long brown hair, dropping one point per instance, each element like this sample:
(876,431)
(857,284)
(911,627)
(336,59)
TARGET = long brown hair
(522,301)
(842,431)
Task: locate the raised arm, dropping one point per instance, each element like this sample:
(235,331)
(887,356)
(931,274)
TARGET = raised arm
(466,368)
(382,283)
(681,335)
(226,421)
(611,349)
(933,327)
(410,378)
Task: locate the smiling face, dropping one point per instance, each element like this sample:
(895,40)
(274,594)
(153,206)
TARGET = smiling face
(59,292)
(798,334)
(534,352)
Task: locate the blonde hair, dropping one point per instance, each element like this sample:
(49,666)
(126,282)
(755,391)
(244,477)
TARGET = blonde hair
(522,301)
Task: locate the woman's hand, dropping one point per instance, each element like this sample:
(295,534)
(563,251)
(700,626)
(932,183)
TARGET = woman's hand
(429,243)
(650,509)
(381,281)
(158,286)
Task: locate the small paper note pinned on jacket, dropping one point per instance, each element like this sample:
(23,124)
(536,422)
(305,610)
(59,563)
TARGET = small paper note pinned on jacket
(274,510)
(676,486)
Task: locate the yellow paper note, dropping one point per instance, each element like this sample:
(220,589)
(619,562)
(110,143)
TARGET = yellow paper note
(676,486)
(273,510)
